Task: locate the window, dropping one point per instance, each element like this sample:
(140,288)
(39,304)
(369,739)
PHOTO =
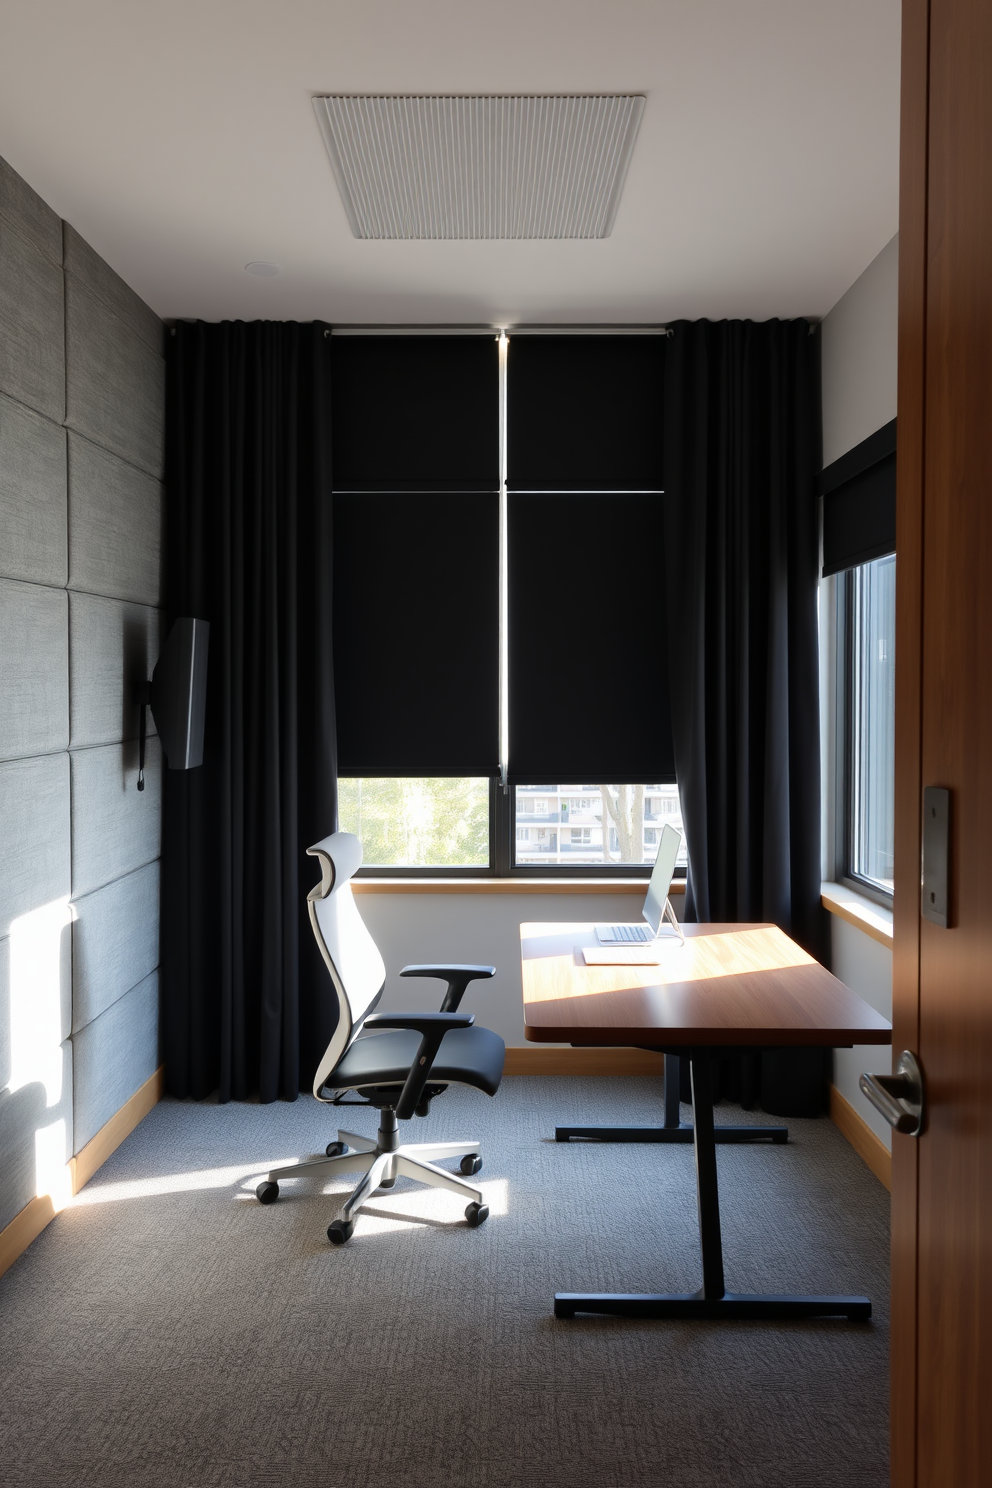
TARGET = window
(857,656)
(465,674)
(870,673)
(427,822)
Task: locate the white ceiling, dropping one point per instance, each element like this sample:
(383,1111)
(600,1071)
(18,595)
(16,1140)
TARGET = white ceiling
(179,138)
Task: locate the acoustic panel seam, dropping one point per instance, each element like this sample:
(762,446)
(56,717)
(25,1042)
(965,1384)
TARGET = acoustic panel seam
(107,449)
(78,1027)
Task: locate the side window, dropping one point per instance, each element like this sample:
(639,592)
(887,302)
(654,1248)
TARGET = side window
(869,669)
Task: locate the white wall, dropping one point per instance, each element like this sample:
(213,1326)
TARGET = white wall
(475,927)
(865,966)
(858,352)
(859,355)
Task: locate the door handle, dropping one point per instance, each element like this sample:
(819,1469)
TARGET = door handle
(898,1097)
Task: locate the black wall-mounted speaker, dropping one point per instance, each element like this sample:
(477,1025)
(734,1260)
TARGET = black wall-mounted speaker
(179,693)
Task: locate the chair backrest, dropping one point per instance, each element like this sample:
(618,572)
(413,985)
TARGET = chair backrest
(357,971)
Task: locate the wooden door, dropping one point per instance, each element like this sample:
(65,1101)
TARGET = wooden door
(942,984)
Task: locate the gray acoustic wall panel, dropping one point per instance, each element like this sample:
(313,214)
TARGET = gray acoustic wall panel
(32,217)
(34,812)
(86,265)
(114,942)
(113,647)
(115,382)
(113,1057)
(36,1133)
(34,670)
(115,526)
(4,1013)
(33,531)
(89,518)
(35,977)
(32,343)
(115,827)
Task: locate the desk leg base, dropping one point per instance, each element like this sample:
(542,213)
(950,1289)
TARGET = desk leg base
(694,1306)
(725,1134)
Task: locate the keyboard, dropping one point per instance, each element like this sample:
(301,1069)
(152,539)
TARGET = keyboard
(623,934)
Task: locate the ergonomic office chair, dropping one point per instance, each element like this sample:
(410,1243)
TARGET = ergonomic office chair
(400,1071)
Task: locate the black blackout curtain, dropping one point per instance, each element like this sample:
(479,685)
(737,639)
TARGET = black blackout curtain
(245,1002)
(741,547)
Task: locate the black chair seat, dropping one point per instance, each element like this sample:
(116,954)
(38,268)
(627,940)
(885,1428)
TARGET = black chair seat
(467,1056)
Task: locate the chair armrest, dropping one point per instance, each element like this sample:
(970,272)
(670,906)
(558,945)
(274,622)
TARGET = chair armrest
(456,976)
(422,1023)
(432,1027)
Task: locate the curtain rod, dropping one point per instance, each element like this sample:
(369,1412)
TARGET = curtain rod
(494,330)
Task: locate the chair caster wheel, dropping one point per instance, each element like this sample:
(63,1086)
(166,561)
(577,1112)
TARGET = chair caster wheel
(267,1193)
(335,1149)
(340,1230)
(477,1214)
(470,1164)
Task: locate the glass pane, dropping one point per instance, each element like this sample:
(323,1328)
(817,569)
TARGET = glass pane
(563,824)
(435,822)
(873,616)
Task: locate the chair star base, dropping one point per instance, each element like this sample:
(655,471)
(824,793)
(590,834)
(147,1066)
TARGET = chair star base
(380,1167)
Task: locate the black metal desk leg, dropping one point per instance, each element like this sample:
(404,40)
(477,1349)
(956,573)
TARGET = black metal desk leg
(712,1301)
(707,1192)
(673,1129)
(673,1113)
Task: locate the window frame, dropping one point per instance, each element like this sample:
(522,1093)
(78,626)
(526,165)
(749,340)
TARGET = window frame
(846,632)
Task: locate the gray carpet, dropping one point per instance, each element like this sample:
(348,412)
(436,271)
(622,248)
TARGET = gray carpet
(169,1331)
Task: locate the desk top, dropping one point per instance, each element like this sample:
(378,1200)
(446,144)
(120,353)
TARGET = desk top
(729,985)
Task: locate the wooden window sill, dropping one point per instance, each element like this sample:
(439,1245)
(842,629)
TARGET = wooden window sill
(873,919)
(505,886)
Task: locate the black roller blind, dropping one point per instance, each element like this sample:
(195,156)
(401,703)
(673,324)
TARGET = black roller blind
(588,649)
(416,593)
(584,413)
(415,413)
(859,503)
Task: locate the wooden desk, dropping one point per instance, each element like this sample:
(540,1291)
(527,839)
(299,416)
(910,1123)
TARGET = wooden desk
(728,989)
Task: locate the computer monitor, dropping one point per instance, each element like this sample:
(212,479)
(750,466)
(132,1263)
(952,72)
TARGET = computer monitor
(657,906)
(656,899)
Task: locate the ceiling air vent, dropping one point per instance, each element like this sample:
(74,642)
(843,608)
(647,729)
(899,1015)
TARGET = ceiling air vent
(519,166)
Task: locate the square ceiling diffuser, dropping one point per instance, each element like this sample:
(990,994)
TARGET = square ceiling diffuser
(514,166)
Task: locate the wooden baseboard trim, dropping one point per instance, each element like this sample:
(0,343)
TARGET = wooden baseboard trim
(555,1060)
(23,1228)
(120,1125)
(28,1225)
(861,1137)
